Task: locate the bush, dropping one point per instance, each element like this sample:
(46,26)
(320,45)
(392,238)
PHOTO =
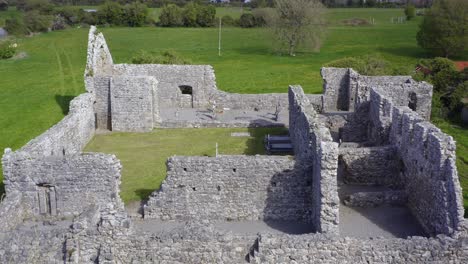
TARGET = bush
(206,16)
(262,16)
(59,23)
(110,13)
(171,16)
(35,22)
(7,49)
(44,7)
(371,65)
(247,21)
(135,14)
(166,57)
(189,15)
(228,20)
(348,62)
(410,11)
(72,15)
(88,18)
(15,26)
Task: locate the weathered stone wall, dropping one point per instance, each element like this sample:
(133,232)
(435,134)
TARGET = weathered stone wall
(171,77)
(35,243)
(133,104)
(430,174)
(71,134)
(317,155)
(11,211)
(347,90)
(335,88)
(62,185)
(321,249)
(98,60)
(370,165)
(102,106)
(232,188)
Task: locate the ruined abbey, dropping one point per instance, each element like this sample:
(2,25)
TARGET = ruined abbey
(371,179)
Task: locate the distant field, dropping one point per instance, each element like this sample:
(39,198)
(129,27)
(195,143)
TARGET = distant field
(35,90)
(144,155)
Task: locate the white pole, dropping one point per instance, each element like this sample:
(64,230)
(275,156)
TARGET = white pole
(219,38)
(216,149)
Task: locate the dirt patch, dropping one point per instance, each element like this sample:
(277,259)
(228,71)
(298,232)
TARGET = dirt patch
(355,22)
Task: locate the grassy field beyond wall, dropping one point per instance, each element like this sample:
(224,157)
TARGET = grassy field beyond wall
(36,89)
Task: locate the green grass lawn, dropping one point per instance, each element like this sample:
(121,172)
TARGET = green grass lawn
(36,90)
(144,155)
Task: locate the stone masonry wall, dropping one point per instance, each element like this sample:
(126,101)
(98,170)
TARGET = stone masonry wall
(317,156)
(370,165)
(98,60)
(170,77)
(71,134)
(133,104)
(11,211)
(429,174)
(232,188)
(322,249)
(347,90)
(428,170)
(62,186)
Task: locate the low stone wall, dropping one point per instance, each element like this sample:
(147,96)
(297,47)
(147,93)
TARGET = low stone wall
(70,135)
(322,249)
(317,155)
(370,165)
(62,186)
(430,174)
(232,188)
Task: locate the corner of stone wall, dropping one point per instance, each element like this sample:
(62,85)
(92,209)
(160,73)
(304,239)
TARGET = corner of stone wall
(429,175)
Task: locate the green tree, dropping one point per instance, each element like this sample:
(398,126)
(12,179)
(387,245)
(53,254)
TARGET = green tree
(298,22)
(189,15)
(171,16)
(410,11)
(36,22)
(444,29)
(110,13)
(42,6)
(247,20)
(135,14)
(206,16)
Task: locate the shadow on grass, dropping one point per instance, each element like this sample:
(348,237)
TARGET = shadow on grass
(143,194)
(64,102)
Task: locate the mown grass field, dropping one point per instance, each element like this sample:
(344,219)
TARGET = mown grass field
(36,89)
(144,156)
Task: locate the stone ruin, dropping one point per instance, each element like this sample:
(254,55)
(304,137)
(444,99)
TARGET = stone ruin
(371,179)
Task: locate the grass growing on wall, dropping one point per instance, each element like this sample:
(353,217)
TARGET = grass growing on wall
(144,155)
